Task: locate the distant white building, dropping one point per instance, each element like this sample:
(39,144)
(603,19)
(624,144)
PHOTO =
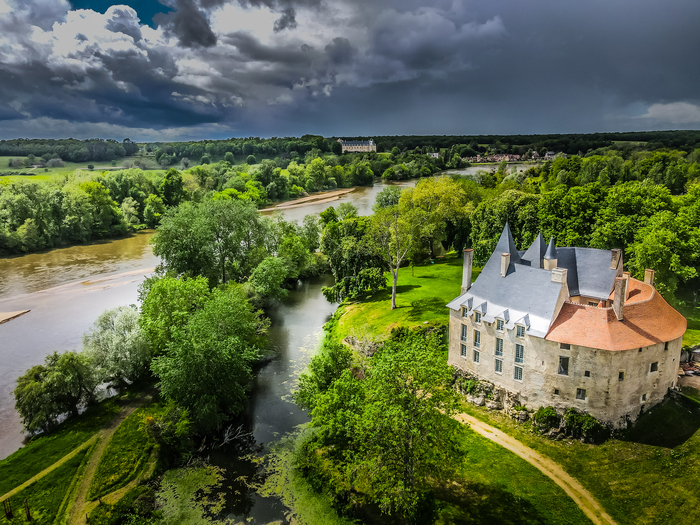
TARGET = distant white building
(357,146)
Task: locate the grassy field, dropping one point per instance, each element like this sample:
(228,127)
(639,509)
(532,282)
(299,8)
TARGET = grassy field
(496,482)
(70,168)
(649,475)
(42,452)
(692,334)
(46,495)
(124,458)
(422,293)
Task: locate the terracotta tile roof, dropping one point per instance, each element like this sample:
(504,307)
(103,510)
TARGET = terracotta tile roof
(647,319)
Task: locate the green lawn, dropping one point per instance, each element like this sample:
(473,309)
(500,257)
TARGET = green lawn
(649,475)
(125,456)
(46,495)
(500,487)
(69,168)
(44,451)
(422,293)
(692,334)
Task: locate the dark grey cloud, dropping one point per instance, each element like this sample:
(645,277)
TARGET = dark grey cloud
(340,51)
(188,23)
(286,21)
(361,67)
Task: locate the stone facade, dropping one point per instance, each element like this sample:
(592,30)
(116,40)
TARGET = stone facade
(607,397)
(566,327)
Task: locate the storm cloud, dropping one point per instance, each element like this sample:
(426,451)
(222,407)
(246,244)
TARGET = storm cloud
(287,67)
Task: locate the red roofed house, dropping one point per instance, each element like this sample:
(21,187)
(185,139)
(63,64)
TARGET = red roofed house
(566,327)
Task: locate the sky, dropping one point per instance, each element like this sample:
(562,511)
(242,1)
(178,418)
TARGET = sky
(166,70)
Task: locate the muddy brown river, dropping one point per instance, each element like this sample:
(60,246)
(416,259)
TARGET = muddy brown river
(67,288)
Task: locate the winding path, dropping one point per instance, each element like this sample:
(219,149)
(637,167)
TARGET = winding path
(584,499)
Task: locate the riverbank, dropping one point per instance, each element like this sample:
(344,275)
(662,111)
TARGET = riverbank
(9,316)
(317,198)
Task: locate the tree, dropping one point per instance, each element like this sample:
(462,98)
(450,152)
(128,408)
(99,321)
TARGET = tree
(207,366)
(392,431)
(392,235)
(166,305)
(130,211)
(388,197)
(62,385)
(250,159)
(172,188)
(153,210)
(117,346)
(326,366)
(229,158)
(269,276)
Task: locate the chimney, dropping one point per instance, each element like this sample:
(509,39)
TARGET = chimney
(505,263)
(559,275)
(467,263)
(649,277)
(618,300)
(615,258)
(626,275)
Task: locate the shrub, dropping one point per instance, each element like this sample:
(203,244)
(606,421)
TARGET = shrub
(545,418)
(580,425)
(91,166)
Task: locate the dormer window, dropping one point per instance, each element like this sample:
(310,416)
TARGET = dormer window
(465,311)
(499,325)
(477,317)
(520,331)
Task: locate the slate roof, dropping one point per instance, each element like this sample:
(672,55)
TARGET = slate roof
(527,292)
(357,142)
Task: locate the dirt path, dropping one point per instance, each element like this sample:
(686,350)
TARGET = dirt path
(586,502)
(79,507)
(147,472)
(48,470)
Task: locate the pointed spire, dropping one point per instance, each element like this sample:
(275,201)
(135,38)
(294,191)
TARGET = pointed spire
(551,250)
(535,253)
(506,244)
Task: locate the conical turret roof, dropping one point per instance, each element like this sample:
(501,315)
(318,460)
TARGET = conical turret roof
(535,253)
(506,244)
(551,250)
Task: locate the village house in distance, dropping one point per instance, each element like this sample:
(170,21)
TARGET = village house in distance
(357,146)
(566,327)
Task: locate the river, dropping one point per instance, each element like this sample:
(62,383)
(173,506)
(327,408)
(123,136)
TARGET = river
(66,289)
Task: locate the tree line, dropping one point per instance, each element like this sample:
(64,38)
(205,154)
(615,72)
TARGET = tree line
(72,150)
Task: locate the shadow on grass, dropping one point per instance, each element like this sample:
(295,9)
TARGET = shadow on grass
(477,503)
(423,307)
(668,424)
(385,295)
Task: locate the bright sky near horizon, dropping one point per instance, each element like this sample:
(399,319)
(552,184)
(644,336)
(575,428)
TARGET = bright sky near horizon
(192,69)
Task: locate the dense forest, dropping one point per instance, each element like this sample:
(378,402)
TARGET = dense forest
(73,150)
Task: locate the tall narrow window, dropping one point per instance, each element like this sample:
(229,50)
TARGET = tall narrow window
(463,350)
(498,367)
(499,324)
(518,373)
(499,346)
(465,311)
(519,353)
(580,393)
(621,375)
(464,332)
(477,338)
(520,331)
(563,366)
(476,356)
(477,317)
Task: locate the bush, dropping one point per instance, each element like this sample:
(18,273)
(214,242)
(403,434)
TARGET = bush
(91,166)
(545,418)
(580,425)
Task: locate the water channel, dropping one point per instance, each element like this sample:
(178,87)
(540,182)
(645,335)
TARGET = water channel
(66,289)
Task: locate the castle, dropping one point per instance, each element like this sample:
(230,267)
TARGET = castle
(566,327)
(357,146)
